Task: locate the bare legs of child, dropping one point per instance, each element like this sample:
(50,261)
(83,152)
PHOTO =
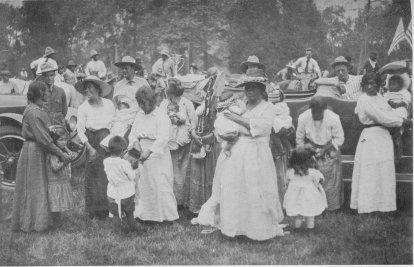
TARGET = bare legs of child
(310,222)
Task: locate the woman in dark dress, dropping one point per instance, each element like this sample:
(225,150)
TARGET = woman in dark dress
(30,203)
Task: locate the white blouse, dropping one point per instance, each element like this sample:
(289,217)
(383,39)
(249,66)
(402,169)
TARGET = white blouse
(320,132)
(95,118)
(375,109)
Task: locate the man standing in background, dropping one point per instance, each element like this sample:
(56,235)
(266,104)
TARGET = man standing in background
(307,64)
(165,64)
(95,67)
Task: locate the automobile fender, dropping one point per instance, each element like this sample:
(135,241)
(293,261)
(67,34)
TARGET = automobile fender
(14,118)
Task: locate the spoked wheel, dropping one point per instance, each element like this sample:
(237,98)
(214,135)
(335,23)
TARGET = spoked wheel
(11,143)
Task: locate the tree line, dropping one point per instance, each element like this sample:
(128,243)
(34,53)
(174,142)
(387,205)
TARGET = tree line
(207,32)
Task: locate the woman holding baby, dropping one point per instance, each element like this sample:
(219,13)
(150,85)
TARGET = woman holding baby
(245,198)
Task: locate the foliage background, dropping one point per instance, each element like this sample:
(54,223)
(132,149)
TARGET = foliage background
(207,32)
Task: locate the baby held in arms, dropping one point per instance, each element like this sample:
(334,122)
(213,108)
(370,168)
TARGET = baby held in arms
(228,130)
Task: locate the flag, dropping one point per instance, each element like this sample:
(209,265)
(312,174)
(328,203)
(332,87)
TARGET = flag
(409,34)
(398,37)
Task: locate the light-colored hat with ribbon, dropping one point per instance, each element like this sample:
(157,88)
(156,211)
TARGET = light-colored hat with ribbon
(340,61)
(126,60)
(253,76)
(49,51)
(94,53)
(251,60)
(47,67)
(165,52)
(105,87)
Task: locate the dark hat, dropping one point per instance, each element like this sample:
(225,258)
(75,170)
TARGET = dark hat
(194,66)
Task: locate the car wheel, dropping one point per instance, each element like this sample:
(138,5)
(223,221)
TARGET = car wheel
(11,143)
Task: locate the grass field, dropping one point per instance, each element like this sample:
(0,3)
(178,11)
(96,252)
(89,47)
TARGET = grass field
(339,238)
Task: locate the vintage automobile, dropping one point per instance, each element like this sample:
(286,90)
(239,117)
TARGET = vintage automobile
(11,140)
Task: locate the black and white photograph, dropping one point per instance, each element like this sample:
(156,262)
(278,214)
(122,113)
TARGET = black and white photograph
(206,132)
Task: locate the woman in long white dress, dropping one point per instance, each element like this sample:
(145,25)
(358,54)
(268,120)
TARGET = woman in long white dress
(156,201)
(373,178)
(245,199)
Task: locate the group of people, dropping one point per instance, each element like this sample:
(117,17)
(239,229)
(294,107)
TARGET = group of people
(229,162)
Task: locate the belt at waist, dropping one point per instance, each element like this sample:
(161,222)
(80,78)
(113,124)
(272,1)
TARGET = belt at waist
(372,125)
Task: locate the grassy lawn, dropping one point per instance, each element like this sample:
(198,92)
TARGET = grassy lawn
(340,238)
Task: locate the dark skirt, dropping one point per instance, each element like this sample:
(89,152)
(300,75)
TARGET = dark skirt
(199,181)
(95,177)
(30,202)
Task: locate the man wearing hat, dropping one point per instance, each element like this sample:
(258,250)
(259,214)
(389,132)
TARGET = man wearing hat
(139,70)
(59,74)
(193,68)
(130,84)
(56,103)
(371,65)
(307,64)
(165,64)
(287,73)
(47,57)
(7,86)
(252,62)
(348,85)
(69,75)
(95,66)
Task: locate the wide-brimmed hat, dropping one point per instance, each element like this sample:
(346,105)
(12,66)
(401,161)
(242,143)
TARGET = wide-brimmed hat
(47,67)
(49,51)
(126,60)
(253,76)
(105,88)
(165,52)
(340,61)
(251,60)
(94,53)
(5,73)
(71,63)
(110,77)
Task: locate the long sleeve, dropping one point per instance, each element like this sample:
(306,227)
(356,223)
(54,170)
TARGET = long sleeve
(317,69)
(367,106)
(162,134)
(64,105)
(81,125)
(337,133)
(130,173)
(300,132)
(296,63)
(133,135)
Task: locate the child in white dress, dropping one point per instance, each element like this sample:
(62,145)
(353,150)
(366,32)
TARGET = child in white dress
(121,184)
(228,130)
(305,197)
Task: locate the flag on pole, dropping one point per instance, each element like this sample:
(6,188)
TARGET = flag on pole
(409,34)
(398,37)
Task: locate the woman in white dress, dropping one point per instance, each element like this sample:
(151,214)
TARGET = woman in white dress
(373,178)
(151,128)
(245,199)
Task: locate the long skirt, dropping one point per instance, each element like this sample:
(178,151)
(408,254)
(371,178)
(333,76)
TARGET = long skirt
(373,178)
(330,166)
(280,148)
(245,198)
(180,158)
(95,177)
(30,202)
(199,181)
(156,201)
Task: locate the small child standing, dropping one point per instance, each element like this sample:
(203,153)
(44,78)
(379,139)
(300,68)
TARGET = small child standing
(305,197)
(121,184)
(399,99)
(226,129)
(60,192)
(179,134)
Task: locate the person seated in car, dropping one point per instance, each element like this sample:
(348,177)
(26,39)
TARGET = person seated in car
(349,86)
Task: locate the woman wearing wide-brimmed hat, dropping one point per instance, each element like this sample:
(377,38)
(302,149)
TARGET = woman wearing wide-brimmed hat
(245,198)
(95,117)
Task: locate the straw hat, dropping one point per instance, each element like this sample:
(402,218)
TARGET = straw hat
(127,60)
(253,76)
(49,51)
(251,60)
(106,88)
(165,52)
(340,61)
(71,63)
(47,67)
(94,53)
(5,73)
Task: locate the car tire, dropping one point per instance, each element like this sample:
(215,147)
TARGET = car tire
(8,161)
